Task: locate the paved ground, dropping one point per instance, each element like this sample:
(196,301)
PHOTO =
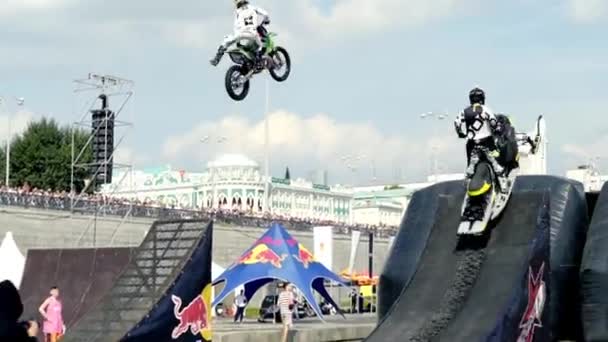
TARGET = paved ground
(227,325)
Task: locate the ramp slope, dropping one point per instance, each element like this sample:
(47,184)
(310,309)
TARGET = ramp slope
(82,275)
(594,273)
(153,269)
(480,292)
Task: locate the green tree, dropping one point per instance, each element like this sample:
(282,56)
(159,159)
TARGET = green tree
(42,156)
(81,137)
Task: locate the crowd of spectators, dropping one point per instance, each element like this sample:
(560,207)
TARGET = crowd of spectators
(105,206)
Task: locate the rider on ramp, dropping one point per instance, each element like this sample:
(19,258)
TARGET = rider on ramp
(248,25)
(478,124)
(492,159)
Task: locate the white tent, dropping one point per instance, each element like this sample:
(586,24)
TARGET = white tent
(216,271)
(12,262)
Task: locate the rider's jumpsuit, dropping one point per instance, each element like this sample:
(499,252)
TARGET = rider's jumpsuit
(478,125)
(248,25)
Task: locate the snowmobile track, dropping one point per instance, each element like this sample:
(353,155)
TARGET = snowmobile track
(468,268)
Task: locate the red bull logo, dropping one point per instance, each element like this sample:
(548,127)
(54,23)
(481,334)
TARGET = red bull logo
(194,317)
(261,254)
(537,293)
(304,256)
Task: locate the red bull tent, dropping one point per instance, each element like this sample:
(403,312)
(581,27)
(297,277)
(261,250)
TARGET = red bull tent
(278,256)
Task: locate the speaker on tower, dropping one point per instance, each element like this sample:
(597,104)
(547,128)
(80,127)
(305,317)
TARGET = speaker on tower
(103,142)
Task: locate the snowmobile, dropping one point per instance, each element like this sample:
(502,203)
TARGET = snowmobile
(485,200)
(246,64)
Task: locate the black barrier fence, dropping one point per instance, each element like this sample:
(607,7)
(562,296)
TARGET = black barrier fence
(121,208)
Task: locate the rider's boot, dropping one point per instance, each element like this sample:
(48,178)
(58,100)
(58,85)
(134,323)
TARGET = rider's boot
(259,56)
(501,175)
(470,170)
(504,186)
(500,172)
(218,56)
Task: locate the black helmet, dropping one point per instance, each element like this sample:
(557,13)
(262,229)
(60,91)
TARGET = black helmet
(477,95)
(240,3)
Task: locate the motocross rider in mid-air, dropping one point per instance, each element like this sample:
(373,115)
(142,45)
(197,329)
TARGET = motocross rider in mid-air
(478,124)
(248,25)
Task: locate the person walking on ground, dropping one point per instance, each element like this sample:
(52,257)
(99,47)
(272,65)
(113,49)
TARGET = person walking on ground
(353,301)
(286,305)
(50,310)
(241,303)
(361,302)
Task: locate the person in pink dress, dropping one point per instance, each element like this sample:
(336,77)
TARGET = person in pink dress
(50,310)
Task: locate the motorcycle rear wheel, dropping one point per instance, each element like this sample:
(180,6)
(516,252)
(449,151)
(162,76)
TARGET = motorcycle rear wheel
(233,77)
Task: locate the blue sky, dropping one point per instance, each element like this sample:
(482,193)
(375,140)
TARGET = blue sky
(363,72)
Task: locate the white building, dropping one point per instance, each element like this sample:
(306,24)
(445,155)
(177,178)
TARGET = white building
(384,207)
(590,177)
(234,182)
(386,204)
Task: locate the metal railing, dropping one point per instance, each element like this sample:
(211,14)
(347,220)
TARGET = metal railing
(118,208)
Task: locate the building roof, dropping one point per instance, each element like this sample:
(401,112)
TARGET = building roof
(395,193)
(379,204)
(232,160)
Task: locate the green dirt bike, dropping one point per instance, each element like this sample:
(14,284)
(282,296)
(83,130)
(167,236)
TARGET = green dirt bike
(246,65)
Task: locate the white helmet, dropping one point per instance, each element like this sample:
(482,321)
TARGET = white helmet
(239,3)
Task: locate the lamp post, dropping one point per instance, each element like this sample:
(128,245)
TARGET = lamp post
(19,101)
(434,148)
(209,140)
(267,179)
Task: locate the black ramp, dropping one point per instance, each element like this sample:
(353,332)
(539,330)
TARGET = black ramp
(481,293)
(507,258)
(152,270)
(594,274)
(431,210)
(428,234)
(83,276)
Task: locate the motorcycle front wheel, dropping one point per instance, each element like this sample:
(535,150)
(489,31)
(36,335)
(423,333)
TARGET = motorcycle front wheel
(236,84)
(280,60)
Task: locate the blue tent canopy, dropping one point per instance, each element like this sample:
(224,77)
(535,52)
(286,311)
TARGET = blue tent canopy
(278,256)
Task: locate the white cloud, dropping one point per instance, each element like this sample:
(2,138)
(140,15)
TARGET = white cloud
(16,6)
(358,16)
(128,156)
(312,142)
(303,23)
(193,33)
(588,10)
(583,152)
(59,29)
(18,123)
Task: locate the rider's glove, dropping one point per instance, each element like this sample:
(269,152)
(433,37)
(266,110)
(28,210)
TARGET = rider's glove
(458,128)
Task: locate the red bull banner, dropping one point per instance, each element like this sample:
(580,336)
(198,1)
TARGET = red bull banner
(195,317)
(183,313)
